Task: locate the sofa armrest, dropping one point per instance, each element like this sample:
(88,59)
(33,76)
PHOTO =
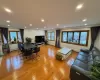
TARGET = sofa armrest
(85,50)
(77,73)
(81,70)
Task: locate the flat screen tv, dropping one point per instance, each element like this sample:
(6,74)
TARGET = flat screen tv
(39,39)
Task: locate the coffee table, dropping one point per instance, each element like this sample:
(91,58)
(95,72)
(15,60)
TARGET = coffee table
(65,52)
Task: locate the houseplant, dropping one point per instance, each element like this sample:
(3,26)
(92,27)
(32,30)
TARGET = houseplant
(59,56)
(95,71)
(28,40)
(15,39)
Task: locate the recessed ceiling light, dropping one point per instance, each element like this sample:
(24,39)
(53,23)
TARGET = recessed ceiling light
(36,28)
(57,24)
(44,27)
(78,7)
(85,24)
(8,25)
(52,28)
(42,20)
(8,21)
(25,26)
(7,10)
(84,20)
(30,24)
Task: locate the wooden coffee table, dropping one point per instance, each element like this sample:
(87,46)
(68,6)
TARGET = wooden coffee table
(65,52)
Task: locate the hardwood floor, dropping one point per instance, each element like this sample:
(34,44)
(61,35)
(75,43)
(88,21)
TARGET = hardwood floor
(45,67)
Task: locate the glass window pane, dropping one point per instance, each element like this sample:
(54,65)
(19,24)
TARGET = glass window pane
(52,35)
(48,35)
(19,37)
(13,35)
(76,37)
(64,37)
(83,38)
(70,36)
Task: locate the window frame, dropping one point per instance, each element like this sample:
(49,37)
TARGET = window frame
(51,36)
(73,37)
(16,36)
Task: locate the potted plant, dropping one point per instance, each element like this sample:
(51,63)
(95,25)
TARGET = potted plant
(59,56)
(28,40)
(95,72)
(14,39)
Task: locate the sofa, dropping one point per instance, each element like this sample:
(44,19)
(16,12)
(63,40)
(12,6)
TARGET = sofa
(80,69)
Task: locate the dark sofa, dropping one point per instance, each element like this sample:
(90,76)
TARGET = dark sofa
(80,70)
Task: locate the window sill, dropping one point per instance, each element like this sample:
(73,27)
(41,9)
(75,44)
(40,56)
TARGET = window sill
(74,43)
(51,40)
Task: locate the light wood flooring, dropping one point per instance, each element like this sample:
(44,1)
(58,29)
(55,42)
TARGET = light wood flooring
(45,67)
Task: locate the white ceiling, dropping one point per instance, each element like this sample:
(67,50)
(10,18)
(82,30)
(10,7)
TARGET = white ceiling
(62,12)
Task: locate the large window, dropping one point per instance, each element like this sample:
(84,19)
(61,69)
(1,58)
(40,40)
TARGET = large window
(75,37)
(70,36)
(15,36)
(64,36)
(51,36)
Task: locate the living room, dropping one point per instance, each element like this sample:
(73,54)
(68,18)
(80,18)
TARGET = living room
(49,40)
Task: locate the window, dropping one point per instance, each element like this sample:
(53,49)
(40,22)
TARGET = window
(64,37)
(14,36)
(75,37)
(48,35)
(51,36)
(70,36)
(83,38)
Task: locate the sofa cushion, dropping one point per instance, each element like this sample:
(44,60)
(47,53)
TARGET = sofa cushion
(90,63)
(90,58)
(81,64)
(97,59)
(85,50)
(83,53)
(96,53)
(82,58)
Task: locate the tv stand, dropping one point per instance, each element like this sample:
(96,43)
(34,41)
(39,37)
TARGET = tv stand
(40,43)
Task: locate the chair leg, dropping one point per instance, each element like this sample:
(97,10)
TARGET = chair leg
(37,54)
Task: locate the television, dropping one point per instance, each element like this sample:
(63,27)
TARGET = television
(39,39)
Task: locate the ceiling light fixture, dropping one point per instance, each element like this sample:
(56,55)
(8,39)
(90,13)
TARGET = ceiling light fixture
(8,21)
(42,20)
(30,24)
(57,24)
(36,28)
(8,25)
(78,7)
(85,24)
(8,10)
(44,27)
(84,20)
(52,28)
(25,26)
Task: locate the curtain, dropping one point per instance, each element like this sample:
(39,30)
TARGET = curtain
(94,34)
(45,34)
(22,34)
(57,43)
(4,31)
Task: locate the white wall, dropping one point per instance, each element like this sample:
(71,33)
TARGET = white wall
(33,33)
(97,42)
(73,46)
